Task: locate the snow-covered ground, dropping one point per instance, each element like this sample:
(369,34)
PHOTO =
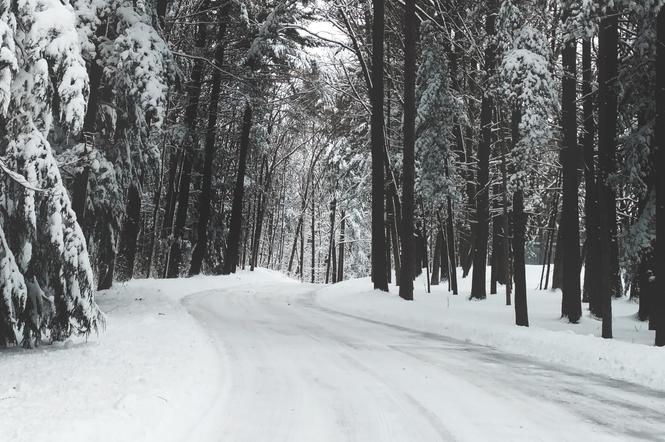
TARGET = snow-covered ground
(145,378)
(630,356)
(257,356)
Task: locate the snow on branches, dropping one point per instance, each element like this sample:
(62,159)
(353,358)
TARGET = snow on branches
(435,118)
(526,84)
(47,76)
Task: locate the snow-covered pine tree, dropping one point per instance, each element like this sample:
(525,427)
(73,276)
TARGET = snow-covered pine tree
(526,84)
(46,78)
(130,66)
(435,119)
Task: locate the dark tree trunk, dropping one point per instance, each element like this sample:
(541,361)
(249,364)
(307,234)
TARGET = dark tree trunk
(519,226)
(160,9)
(658,309)
(331,244)
(233,238)
(191,145)
(342,239)
(312,237)
(130,233)
(436,257)
(496,255)
(450,247)
(592,274)
(478,283)
(107,255)
(408,162)
(378,143)
(394,230)
(506,228)
(171,193)
(206,195)
(571,304)
(608,40)
(557,267)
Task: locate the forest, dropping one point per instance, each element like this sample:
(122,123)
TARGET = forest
(330,140)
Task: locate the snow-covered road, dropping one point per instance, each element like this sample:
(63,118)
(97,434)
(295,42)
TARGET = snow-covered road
(297,371)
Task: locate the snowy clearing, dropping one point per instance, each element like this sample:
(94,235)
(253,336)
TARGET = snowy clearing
(262,357)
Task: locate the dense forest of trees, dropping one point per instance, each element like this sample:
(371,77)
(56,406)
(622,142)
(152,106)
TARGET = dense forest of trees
(331,139)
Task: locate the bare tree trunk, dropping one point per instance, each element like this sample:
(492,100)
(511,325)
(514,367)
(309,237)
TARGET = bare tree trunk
(206,195)
(478,284)
(608,40)
(233,238)
(378,146)
(191,144)
(658,303)
(571,306)
(408,162)
(436,257)
(331,244)
(519,225)
(342,239)
(592,274)
(129,233)
(312,239)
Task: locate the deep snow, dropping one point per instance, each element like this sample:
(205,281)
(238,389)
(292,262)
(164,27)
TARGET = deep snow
(257,356)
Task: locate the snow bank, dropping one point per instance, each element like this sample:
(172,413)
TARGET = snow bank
(629,357)
(149,376)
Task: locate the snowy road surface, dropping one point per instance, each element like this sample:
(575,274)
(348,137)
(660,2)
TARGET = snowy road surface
(297,371)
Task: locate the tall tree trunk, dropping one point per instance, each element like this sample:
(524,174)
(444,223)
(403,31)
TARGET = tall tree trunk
(160,9)
(191,145)
(130,233)
(592,273)
(506,228)
(519,226)
(571,304)
(378,144)
(205,197)
(233,238)
(658,304)
(331,243)
(394,229)
(107,252)
(608,40)
(408,162)
(312,237)
(478,283)
(450,247)
(436,257)
(342,239)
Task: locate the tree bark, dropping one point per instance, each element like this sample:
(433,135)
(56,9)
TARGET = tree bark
(206,195)
(519,225)
(129,233)
(379,276)
(436,258)
(342,239)
(608,40)
(331,245)
(571,305)
(658,305)
(191,140)
(233,238)
(592,273)
(408,162)
(478,283)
